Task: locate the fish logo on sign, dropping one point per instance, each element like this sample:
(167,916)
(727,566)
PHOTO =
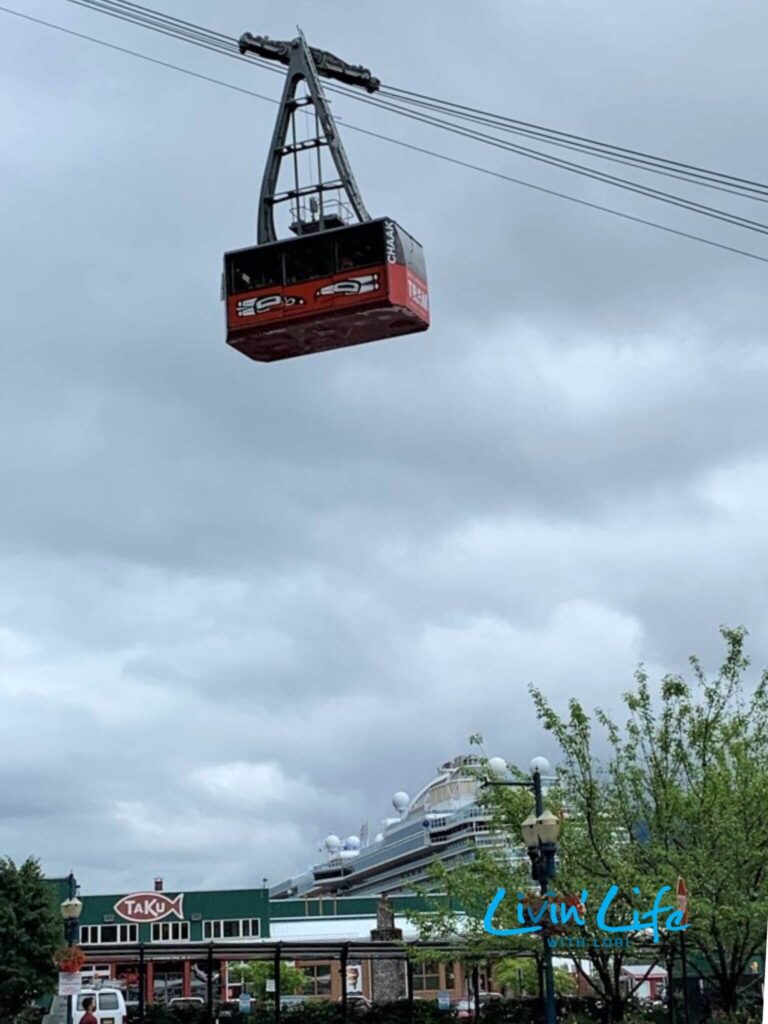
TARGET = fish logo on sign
(149,906)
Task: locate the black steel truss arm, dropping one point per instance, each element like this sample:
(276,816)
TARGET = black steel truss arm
(300,59)
(327,64)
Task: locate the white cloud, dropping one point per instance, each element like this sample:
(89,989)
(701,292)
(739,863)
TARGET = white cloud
(251,786)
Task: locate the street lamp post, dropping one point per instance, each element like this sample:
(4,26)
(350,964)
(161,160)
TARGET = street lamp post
(71,909)
(540,831)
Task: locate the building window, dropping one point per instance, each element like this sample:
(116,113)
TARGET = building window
(91,973)
(317,980)
(234,928)
(426,977)
(170,931)
(94,934)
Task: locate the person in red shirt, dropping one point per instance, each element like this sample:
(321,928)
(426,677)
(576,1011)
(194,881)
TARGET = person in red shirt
(89,1017)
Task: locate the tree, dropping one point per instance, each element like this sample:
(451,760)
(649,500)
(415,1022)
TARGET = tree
(256,972)
(30,934)
(520,977)
(468,889)
(473,885)
(681,793)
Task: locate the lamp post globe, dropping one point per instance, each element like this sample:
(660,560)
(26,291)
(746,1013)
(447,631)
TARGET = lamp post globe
(71,909)
(529,831)
(540,832)
(542,766)
(547,827)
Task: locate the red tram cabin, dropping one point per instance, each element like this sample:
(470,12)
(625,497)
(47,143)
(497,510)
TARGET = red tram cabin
(326,290)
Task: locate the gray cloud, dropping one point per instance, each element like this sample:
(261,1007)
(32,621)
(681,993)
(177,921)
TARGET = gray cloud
(241,605)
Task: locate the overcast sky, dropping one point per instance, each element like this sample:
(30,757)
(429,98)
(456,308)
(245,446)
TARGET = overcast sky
(242,604)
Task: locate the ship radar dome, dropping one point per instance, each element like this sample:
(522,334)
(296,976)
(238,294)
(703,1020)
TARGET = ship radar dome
(400,801)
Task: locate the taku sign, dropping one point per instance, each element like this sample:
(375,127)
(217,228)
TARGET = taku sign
(149,906)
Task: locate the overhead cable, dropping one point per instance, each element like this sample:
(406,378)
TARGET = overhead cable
(413,147)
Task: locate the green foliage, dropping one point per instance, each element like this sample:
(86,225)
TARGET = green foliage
(647,1015)
(680,794)
(519,976)
(424,1012)
(738,1017)
(677,797)
(256,972)
(31,931)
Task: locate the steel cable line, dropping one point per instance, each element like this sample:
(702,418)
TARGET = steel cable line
(126,11)
(560,195)
(174,28)
(398,142)
(758,193)
(581,169)
(219,42)
(460,110)
(141,56)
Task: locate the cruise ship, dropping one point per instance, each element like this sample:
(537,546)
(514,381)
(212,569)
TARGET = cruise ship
(442,822)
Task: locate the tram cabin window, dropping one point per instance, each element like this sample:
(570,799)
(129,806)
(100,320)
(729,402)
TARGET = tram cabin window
(308,260)
(255,268)
(360,247)
(414,254)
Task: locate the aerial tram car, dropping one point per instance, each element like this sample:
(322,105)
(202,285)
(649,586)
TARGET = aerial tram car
(343,278)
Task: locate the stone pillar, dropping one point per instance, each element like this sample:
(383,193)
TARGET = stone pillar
(388,977)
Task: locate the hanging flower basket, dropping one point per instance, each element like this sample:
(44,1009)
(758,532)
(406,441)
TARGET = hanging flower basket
(70,960)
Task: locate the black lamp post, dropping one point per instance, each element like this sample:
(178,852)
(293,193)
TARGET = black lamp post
(71,909)
(540,831)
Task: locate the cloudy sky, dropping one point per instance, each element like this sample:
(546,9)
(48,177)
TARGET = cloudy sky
(242,604)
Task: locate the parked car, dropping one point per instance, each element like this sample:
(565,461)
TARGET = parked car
(186,1002)
(109,1005)
(466,1007)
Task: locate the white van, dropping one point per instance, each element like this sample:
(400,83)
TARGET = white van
(109,1005)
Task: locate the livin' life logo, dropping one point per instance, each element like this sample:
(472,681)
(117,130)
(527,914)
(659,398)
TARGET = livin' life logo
(571,911)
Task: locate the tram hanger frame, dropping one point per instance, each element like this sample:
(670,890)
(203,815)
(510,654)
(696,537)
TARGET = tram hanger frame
(305,64)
